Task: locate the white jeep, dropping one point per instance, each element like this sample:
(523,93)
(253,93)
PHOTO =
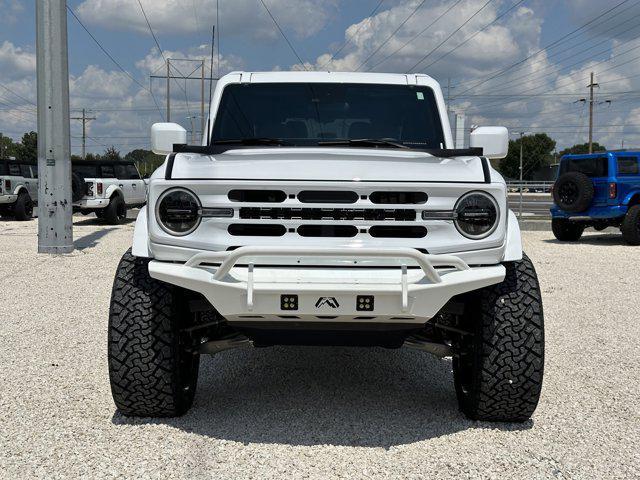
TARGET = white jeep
(327,209)
(18,188)
(107,189)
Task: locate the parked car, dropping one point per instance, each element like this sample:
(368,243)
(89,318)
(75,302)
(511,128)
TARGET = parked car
(327,209)
(598,190)
(107,189)
(18,188)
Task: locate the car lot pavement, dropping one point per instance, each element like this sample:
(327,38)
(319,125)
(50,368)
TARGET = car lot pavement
(312,412)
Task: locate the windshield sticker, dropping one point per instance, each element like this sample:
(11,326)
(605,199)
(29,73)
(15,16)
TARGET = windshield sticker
(420,95)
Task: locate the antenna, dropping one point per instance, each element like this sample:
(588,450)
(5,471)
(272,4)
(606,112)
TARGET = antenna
(213,40)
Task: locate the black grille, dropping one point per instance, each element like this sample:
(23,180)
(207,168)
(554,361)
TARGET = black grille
(373,214)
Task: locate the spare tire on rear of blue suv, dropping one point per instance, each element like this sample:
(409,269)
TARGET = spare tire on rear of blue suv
(573,192)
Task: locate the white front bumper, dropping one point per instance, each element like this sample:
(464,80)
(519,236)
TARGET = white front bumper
(254,292)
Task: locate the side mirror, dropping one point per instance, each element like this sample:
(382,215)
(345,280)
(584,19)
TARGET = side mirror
(493,140)
(164,135)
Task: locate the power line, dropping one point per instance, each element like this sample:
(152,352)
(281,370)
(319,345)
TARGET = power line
(555,42)
(450,35)
(502,15)
(17,95)
(391,36)
(527,75)
(114,60)
(283,34)
(155,39)
(351,37)
(451,7)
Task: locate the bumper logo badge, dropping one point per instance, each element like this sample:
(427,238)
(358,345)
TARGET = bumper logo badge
(330,301)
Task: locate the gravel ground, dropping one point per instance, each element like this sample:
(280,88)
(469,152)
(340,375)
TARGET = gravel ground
(313,412)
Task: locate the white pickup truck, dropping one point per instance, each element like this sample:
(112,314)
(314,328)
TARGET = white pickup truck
(107,189)
(18,188)
(327,209)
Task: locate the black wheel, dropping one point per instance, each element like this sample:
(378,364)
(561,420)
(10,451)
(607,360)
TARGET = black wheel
(498,370)
(151,372)
(116,211)
(631,226)
(23,208)
(78,187)
(573,192)
(565,230)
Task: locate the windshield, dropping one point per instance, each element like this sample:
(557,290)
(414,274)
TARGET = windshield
(309,113)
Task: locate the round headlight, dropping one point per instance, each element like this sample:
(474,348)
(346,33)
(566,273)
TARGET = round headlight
(476,215)
(178,211)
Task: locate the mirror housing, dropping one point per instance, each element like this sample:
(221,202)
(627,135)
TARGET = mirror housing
(165,135)
(493,140)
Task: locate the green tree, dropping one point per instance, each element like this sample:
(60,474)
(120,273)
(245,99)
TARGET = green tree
(536,153)
(145,160)
(111,155)
(8,148)
(583,148)
(28,149)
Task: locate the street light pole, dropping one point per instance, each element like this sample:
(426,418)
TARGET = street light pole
(521,176)
(55,227)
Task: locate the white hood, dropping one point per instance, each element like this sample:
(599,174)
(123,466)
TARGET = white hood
(330,164)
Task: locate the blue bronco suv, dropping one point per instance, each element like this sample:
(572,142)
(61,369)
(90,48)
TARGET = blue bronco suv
(597,190)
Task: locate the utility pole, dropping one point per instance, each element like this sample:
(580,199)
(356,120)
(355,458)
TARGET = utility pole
(521,175)
(449,87)
(84,119)
(202,102)
(168,90)
(591,86)
(2,147)
(55,227)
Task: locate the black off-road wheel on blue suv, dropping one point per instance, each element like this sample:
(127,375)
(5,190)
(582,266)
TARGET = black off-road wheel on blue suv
(499,365)
(631,226)
(152,372)
(565,230)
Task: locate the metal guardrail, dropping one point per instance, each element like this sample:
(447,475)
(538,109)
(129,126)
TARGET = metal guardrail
(529,187)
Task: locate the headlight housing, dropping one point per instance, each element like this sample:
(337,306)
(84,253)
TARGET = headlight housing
(178,211)
(477,215)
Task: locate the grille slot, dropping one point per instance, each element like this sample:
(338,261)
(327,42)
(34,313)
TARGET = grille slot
(259,230)
(384,231)
(341,214)
(398,198)
(319,196)
(342,231)
(257,196)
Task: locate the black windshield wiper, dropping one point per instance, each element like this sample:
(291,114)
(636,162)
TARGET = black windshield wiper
(251,141)
(364,142)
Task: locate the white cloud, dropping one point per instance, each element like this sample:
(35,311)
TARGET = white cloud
(238,17)
(16,62)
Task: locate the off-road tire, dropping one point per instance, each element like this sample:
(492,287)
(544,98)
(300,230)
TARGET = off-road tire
(498,370)
(116,212)
(151,372)
(631,226)
(573,192)
(78,187)
(23,208)
(565,230)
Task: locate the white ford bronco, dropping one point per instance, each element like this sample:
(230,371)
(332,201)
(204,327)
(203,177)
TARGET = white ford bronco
(107,189)
(327,209)
(18,188)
